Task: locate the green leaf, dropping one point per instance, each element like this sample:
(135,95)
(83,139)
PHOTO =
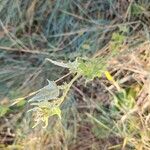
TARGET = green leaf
(137,9)
(3,110)
(43,111)
(56,111)
(91,68)
(124,99)
(87,67)
(118,38)
(21,103)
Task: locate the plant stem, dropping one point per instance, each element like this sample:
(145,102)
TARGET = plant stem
(67,89)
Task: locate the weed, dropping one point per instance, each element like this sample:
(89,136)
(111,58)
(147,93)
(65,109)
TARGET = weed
(90,101)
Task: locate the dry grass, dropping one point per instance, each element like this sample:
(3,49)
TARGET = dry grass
(30,32)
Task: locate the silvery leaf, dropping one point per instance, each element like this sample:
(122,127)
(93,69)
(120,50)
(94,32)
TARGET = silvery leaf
(61,64)
(49,92)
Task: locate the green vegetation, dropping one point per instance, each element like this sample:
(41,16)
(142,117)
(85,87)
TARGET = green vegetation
(74,75)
